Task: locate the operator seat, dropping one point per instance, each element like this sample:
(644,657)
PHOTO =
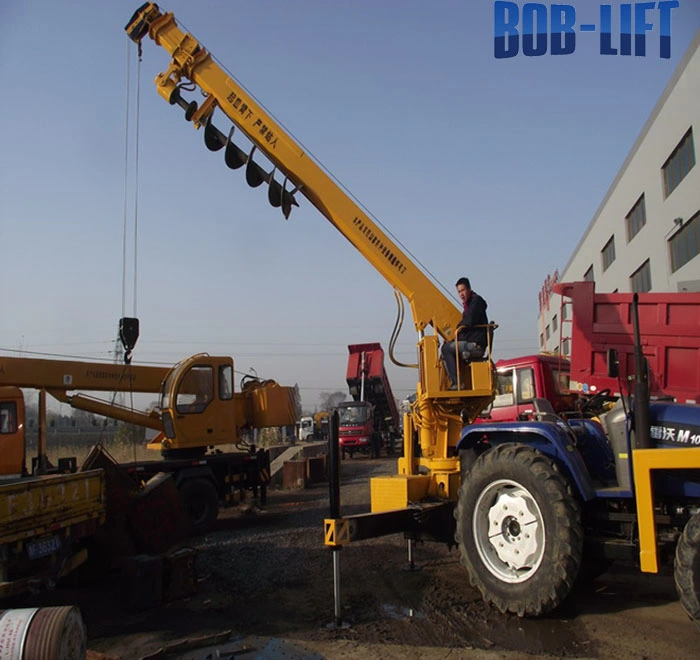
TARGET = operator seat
(468,357)
(478,368)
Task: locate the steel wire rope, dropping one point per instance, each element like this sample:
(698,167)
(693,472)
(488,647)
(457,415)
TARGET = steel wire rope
(136,179)
(127,84)
(127,109)
(126,175)
(137,124)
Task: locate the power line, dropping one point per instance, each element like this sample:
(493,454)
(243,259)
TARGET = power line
(514,342)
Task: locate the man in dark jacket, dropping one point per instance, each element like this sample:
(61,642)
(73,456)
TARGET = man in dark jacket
(471,339)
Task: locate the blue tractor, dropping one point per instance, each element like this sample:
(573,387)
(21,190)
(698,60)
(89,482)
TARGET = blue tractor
(545,500)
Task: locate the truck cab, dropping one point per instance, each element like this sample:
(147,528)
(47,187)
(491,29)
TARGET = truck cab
(521,380)
(306,428)
(12,444)
(356,431)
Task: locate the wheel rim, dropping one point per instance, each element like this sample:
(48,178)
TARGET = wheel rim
(509,531)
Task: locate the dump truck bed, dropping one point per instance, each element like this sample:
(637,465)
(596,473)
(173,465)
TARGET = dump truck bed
(669,325)
(377,388)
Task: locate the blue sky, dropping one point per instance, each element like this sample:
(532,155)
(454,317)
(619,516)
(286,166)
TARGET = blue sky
(479,167)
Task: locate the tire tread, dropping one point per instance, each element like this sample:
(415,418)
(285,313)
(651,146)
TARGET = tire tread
(566,563)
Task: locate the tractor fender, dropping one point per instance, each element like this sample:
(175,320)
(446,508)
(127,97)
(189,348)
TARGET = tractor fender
(553,439)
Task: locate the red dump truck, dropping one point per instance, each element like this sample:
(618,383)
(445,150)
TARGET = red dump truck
(594,323)
(371,420)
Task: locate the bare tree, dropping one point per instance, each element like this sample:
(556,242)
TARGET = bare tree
(297,401)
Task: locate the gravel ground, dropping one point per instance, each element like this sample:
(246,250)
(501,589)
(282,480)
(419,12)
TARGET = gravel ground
(266,591)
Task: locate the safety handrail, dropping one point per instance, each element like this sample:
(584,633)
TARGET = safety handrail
(491,328)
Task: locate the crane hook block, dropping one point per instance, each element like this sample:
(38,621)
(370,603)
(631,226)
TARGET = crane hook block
(129,334)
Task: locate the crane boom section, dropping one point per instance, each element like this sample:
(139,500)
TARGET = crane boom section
(74,375)
(429,305)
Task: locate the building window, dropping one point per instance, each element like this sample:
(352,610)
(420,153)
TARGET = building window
(679,163)
(546,332)
(565,311)
(685,244)
(565,347)
(641,278)
(608,253)
(541,340)
(589,277)
(555,323)
(636,218)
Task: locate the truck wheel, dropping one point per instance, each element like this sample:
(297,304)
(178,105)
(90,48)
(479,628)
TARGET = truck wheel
(686,568)
(519,530)
(201,501)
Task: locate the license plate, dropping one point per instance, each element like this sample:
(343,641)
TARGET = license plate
(43,547)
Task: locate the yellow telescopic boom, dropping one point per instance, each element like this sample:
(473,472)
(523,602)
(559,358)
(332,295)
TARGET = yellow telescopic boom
(437,414)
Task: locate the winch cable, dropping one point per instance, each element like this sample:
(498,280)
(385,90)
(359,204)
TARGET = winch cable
(126,179)
(137,123)
(136,178)
(125,323)
(117,352)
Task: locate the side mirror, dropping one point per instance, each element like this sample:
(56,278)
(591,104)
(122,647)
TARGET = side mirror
(613,363)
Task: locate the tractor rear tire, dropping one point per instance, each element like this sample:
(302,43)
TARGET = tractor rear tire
(519,530)
(201,502)
(686,568)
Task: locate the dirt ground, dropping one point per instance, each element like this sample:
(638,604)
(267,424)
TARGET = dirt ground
(265,590)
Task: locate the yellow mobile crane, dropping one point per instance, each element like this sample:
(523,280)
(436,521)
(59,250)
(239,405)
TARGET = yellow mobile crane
(198,410)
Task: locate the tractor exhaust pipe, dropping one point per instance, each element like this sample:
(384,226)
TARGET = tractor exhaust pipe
(642,438)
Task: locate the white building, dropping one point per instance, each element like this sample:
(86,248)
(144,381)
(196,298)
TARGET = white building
(645,235)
